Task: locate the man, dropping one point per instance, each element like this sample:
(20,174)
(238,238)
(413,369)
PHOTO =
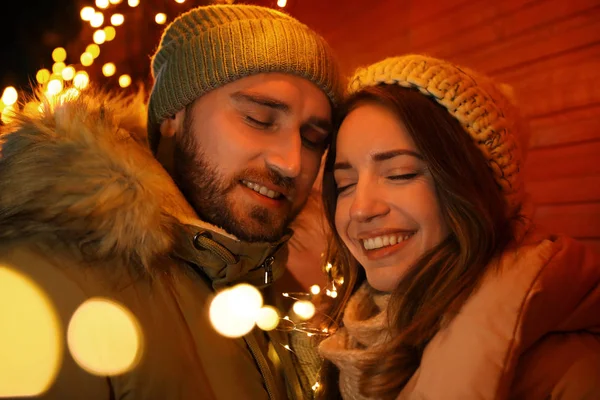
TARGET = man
(238,119)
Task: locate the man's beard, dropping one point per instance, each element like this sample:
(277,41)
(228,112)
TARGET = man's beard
(209,194)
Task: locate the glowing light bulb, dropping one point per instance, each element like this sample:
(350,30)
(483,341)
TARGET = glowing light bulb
(86,59)
(97,20)
(109,69)
(30,338)
(133,3)
(233,311)
(104,337)
(281,3)
(304,309)
(68,73)
(81,80)
(315,289)
(110,33)
(180,1)
(10,96)
(267,318)
(117,19)
(102,3)
(42,76)
(124,80)
(115,1)
(99,37)
(55,86)
(160,18)
(58,67)
(93,49)
(87,13)
(59,54)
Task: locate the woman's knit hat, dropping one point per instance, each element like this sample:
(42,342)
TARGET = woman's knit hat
(482,106)
(210,46)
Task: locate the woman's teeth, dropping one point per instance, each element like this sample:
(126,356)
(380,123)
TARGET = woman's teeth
(383,241)
(262,190)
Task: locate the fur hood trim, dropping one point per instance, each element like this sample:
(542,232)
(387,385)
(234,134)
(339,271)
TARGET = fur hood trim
(80,170)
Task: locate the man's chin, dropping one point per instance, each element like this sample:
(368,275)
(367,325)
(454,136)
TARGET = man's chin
(250,230)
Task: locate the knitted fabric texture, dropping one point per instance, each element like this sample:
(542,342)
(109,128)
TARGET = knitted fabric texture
(478,103)
(210,46)
(364,329)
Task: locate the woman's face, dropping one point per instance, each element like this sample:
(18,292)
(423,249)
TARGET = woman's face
(387,211)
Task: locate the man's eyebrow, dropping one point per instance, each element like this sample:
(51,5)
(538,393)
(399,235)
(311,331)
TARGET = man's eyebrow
(321,124)
(261,100)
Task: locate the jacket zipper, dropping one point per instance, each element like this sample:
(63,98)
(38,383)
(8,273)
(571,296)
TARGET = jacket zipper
(268,267)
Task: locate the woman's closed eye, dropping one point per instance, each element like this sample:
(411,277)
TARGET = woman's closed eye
(403,177)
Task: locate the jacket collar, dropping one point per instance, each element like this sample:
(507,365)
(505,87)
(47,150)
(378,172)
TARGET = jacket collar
(226,260)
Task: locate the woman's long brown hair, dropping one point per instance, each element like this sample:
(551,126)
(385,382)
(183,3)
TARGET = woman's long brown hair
(438,284)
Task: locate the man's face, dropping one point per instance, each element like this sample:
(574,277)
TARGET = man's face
(247,153)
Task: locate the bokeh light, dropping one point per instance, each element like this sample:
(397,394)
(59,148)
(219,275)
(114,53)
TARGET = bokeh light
(110,33)
(99,36)
(267,318)
(81,80)
(58,67)
(124,80)
(93,49)
(59,54)
(133,3)
(10,96)
(304,309)
(97,20)
(86,59)
(104,337)
(87,13)
(315,289)
(102,3)
(30,338)
(233,311)
(109,69)
(42,76)
(55,86)
(117,19)
(160,18)
(68,73)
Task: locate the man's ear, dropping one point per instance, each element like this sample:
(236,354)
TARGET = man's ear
(171,125)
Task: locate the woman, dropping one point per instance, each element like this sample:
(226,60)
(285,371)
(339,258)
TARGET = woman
(450,291)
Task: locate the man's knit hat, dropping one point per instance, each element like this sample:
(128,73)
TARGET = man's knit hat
(482,106)
(210,46)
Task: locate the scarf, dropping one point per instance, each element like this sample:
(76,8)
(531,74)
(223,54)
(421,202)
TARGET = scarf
(364,330)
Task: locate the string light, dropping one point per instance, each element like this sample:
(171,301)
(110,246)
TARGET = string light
(110,33)
(133,3)
(42,76)
(281,3)
(93,49)
(87,13)
(59,54)
(160,18)
(124,80)
(109,69)
(97,20)
(86,59)
(102,3)
(117,19)
(99,36)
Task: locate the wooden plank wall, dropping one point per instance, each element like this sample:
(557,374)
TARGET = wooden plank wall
(548,50)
